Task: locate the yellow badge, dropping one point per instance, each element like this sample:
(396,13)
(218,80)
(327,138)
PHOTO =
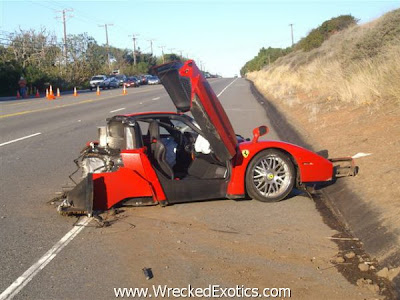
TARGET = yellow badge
(245,153)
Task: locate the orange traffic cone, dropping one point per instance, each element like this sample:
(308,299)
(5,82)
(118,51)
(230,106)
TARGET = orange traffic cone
(18,95)
(50,94)
(124,92)
(47,93)
(75,92)
(98,91)
(58,92)
(37,94)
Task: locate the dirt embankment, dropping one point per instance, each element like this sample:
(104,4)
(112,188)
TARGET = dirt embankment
(345,97)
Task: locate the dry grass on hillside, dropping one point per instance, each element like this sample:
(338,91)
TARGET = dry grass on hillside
(360,65)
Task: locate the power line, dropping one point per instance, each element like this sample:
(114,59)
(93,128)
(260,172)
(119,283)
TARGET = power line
(291,27)
(108,46)
(134,38)
(151,45)
(162,53)
(65,10)
(90,19)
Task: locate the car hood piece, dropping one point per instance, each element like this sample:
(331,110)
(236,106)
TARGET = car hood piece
(190,91)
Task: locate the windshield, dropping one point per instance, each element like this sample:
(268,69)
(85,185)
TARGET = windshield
(98,78)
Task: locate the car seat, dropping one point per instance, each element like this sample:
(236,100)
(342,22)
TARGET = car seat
(158,151)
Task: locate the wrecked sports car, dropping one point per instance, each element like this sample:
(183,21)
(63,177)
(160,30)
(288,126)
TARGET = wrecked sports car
(172,157)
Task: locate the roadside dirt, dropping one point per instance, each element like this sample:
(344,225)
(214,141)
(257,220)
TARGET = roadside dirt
(373,133)
(231,243)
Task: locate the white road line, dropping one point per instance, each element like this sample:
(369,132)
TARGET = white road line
(28,275)
(115,110)
(226,87)
(156,98)
(20,139)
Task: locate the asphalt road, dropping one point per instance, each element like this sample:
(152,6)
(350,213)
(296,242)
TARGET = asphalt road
(215,242)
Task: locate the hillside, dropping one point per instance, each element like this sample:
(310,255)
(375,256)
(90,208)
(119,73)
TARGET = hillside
(345,96)
(360,65)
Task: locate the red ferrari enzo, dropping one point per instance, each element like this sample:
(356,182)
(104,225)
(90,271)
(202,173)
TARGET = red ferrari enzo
(171,157)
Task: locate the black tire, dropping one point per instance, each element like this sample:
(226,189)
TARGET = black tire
(270,176)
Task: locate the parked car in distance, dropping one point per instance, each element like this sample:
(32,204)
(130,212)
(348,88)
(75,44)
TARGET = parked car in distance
(110,82)
(132,81)
(143,79)
(96,80)
(153,80)
(121,78)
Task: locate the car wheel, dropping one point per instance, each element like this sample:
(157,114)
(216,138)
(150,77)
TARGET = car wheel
(270,176)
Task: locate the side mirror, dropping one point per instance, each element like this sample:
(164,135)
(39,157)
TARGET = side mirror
(259,131)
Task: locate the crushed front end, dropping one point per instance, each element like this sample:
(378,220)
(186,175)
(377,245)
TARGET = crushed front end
(112,170)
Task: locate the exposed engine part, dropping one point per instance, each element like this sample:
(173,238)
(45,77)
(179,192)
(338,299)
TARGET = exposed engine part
(117,135)
(102,131)
(93,164)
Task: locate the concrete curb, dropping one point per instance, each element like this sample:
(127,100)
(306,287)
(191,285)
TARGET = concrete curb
(356,215)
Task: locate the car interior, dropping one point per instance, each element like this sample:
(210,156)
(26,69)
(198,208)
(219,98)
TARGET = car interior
(170,143)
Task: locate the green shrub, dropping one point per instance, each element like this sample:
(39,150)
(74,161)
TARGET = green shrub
(318,35)
(264,57)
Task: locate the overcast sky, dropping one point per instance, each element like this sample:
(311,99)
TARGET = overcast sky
(222,34)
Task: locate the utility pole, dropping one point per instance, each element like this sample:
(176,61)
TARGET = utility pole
(291,28)
(151,45)
(162,51)
(108,46)
(134,38)
(64,20)
(180,51)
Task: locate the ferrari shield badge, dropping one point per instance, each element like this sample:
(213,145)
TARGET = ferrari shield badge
(245,153)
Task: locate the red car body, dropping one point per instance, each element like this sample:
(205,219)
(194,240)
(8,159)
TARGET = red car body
(128,166)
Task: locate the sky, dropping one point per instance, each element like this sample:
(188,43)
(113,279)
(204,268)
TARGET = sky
(222,35)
